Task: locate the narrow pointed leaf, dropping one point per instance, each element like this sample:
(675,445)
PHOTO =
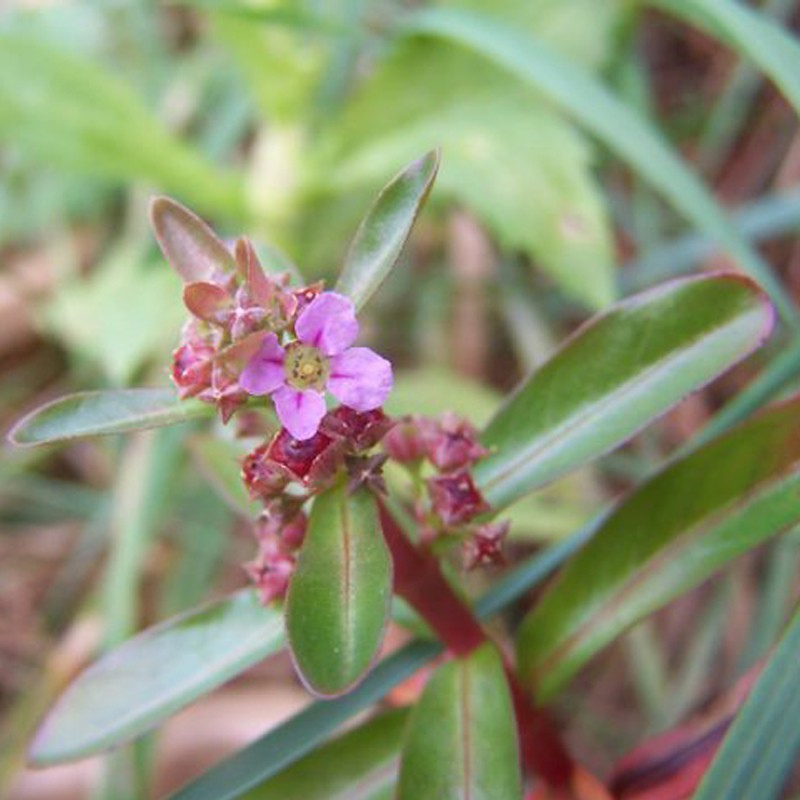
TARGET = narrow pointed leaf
(190,246)
(680,527)
(77,416)
(751,33)
(384,230)
(338,600)
(462,740)
(763,743)
(617,373)
(360,765)
(153,675)
(616,124)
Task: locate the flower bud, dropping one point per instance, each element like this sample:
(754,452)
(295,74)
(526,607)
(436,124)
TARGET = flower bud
(455,498)
(452,443)
(484,547)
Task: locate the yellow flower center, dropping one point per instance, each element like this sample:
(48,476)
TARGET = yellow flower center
(306,367)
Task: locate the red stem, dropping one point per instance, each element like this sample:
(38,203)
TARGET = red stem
(419,580)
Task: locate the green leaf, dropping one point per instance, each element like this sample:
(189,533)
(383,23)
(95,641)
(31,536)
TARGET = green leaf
(360,765)
(611,120)
(77,115)
(510,158)
(156,673)
(384,230)
(462,739)
(77,416)
(617,373)
(752,34)
(763,743)
(670,535)
(339,594)
(220,460)
(190,246)
(299,735)
(87,317)
(433,390)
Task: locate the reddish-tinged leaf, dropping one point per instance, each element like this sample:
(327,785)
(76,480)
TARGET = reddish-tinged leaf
(190,246)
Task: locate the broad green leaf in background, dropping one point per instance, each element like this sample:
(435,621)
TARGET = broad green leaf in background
(90,318)
(83,414)
(462,739)
(512,160)
(752,34)
(762,745)
(76,114)
(617,125)
(383,232)
(668,536)
(339,595)
(151,676)
(621,370)
(188,244)
(220,462)
(433,390)
(360,765)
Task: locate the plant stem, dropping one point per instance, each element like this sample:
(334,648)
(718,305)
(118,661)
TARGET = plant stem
(419,580)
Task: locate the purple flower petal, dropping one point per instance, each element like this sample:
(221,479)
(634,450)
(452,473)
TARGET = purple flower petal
(264,372)
(360,379)
(299,412)
(329,323)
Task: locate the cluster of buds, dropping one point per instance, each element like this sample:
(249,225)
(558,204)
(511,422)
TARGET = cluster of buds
(284,472)
(232,312)
(454,504)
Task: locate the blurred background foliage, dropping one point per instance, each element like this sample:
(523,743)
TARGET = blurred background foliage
(282,120)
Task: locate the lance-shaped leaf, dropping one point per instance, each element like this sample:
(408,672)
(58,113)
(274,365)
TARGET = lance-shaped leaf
(77,416)
(617,373)
(360,765)
(462,740)
(763,743)
(190,246)
(338,600)
(668,536)
(153,675)
(384,230)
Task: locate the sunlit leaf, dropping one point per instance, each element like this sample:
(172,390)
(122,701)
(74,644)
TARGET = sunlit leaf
(620,371)
(76,114)
(668,536)
(151,676)
(462,739)
(611,120)
(338,600)
(77,416)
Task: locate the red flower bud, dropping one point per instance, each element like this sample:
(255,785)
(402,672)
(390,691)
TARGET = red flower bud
(485,546)
(405,442)
(455,498)
(452,443)
(361,430)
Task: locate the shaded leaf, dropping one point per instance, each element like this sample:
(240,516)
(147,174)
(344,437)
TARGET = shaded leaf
(752,34)
(76,416)
(462,740)
(360,765)
(383,232)
(151,676)
(667,537)
(762,745)
(190,246)
(620,371)
(339,595)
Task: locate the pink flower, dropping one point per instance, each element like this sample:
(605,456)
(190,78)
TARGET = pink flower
(297,375)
